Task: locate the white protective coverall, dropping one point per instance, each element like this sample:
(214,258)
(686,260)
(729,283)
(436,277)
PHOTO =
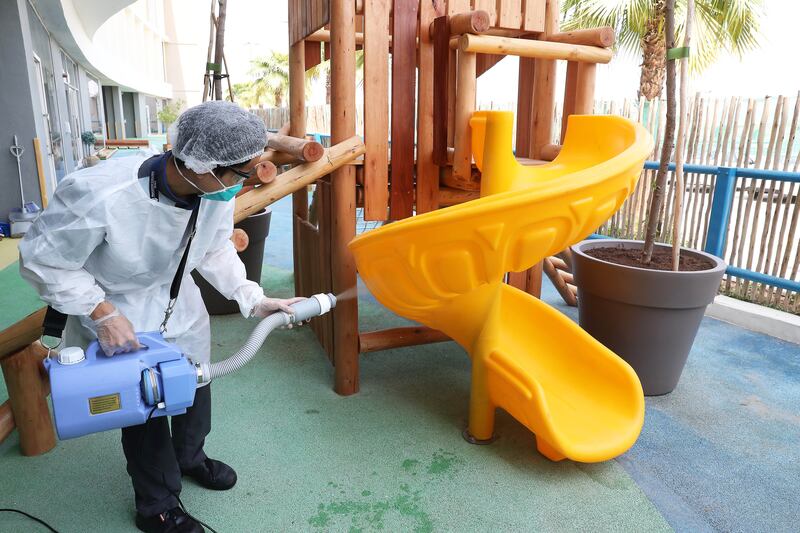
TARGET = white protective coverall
(103,237)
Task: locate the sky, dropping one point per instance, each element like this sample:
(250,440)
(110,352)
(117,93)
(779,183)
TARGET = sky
(254,27)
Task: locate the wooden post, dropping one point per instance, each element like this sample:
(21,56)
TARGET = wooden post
(7,424)
(27,392)
(584,88)
(376,109)
(570,87)
(544,89)
(427,186)
(524,106)
(531,280)
(297,128)
(404,62)
(465,106)
(441,89)
(343,216)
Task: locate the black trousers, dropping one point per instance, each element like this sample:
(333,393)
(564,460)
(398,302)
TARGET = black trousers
(156,458)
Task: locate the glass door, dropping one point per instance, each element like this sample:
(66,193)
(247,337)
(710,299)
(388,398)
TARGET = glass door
(70,75)
(48,136)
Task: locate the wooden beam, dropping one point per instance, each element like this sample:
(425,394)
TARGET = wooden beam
(343,196)
(491,44)
(427,175)
(22,333)
(485,62)
(296,179)
(449,196)
(387,339)
(559,283)
(324,36)
(7,424)
(376,109)
(404,62)
(27,394)
(313,55)
(602,37)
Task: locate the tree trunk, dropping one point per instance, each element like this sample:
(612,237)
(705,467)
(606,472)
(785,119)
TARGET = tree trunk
(209,77)
(669,139)
(220,44)
(653,54)
(677,213)
(328,86)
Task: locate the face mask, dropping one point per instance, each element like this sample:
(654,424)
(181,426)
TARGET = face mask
(223,195)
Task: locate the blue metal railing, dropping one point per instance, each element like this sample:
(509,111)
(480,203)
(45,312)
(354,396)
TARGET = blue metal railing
(720,217)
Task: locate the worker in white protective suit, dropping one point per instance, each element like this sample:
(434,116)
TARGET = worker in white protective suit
(105,252)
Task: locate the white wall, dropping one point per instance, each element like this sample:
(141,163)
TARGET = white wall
(186,26)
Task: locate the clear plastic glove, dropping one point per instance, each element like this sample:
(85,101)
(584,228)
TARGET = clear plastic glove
(268,305)
(115,334)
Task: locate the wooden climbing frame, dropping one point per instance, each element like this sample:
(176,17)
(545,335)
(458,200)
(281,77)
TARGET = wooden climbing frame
(438,49)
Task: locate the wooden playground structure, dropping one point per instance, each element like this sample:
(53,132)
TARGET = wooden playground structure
(436,50)
(402,167)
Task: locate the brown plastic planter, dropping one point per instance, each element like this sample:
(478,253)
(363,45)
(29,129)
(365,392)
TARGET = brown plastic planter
(647,317)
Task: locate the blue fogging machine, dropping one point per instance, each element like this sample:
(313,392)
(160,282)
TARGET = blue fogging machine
(92,393)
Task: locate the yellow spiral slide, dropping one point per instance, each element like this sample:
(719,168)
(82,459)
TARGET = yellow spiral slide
(445,269)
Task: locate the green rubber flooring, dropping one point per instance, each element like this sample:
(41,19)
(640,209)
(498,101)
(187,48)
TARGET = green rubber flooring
(390,458)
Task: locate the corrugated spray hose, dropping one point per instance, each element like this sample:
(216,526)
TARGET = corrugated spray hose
(316,305)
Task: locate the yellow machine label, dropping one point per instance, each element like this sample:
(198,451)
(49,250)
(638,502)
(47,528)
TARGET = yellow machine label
(104,404)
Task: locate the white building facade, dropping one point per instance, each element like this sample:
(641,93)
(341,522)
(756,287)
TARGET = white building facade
(105,66)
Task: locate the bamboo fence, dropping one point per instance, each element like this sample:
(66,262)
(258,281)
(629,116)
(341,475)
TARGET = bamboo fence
(759,133)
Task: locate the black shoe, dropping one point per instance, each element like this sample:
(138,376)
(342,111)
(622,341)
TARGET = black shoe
(212,474)
(172,521)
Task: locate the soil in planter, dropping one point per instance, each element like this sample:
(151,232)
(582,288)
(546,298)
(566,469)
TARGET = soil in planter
(662,259)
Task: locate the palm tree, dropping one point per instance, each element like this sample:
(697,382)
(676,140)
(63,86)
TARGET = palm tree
(730,25)
(324,69)
(270,78)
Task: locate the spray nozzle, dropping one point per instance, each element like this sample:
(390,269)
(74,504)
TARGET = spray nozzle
(313,306)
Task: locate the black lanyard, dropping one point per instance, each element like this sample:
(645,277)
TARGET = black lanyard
(175,288)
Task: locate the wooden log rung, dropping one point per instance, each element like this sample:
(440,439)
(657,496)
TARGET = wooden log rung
(490,44)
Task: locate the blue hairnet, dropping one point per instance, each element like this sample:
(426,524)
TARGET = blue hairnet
(217,134)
